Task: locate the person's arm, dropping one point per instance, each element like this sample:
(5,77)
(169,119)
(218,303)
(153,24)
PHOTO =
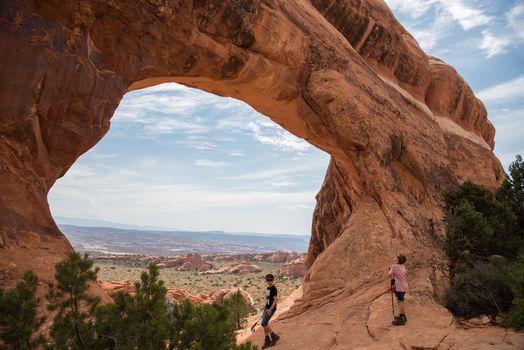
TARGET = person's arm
(275,301)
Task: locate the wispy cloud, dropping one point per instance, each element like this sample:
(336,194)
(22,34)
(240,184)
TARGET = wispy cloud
(512,90)
(431,21)
(270,134)
(275,173)
(469,17)
(515,18)
(510,131)
(510,35)
(100,156)
(211,163)
(493,45)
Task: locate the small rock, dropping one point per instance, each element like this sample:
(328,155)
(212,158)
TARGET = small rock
(476,321)
(12,265)
(485,320)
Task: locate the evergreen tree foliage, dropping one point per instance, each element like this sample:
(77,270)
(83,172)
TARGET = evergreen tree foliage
(73,325)
(516,282)
(511,193)
(480,227)
(239,309)
(480,290)
(18,320)
(213,327)
(140,321)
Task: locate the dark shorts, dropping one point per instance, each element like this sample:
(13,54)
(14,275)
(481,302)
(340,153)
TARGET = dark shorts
(400,295)
(267,316)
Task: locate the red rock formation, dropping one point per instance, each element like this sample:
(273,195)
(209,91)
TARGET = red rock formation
(344,75)
(193,262)
(294,268)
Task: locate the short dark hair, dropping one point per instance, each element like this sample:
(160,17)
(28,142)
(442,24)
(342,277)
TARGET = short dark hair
(401,259)
(270,277)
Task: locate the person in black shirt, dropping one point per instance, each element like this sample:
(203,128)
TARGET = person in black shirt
(271,305)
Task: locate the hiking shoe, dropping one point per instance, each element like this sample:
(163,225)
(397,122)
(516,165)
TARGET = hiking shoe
(274,339)
(267,343)
(399,321)
(401,316)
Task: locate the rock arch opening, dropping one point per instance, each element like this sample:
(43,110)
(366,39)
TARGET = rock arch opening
(183,159)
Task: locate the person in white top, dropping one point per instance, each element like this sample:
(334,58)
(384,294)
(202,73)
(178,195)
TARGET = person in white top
(400,286)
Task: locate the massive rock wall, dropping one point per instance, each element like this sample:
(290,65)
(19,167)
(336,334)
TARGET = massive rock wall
(400,127)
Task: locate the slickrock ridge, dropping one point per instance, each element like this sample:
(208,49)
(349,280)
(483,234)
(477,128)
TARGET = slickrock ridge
(240,268)
(344,75)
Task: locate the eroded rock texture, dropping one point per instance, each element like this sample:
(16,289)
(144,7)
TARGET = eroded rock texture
(401,127)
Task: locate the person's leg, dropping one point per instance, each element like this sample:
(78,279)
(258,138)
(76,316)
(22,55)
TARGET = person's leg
(401,318)
(267,330)
(401,307)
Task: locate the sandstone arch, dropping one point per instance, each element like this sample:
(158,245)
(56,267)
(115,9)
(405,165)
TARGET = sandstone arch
(400,126)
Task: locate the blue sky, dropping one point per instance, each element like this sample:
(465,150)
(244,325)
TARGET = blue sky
(184,159)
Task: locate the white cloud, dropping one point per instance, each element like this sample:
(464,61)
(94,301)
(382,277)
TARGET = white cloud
(508,91)
(413,9)
(101,156)
(271,134)
(494,45)
(515,19)
(431,21)
(509,138)
(169,126)
(509,36)
(211,163)
(272,174)
(467,16)
(429,37)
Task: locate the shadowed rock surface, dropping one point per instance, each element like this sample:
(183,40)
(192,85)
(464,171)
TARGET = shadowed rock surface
(401,127)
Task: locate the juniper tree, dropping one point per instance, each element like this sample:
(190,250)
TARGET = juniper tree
(73,325)
(139,321)
(239,309)
(18,320)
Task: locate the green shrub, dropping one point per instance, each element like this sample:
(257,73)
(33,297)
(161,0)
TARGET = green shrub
(18,320)
(139,321)
(480,290)
(516,281)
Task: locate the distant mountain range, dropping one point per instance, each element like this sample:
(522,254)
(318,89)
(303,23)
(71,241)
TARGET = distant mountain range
(117,240)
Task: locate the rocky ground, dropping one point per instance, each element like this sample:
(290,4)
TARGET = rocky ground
(361,320)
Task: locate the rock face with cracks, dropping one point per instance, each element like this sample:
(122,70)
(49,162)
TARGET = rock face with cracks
(401,127)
